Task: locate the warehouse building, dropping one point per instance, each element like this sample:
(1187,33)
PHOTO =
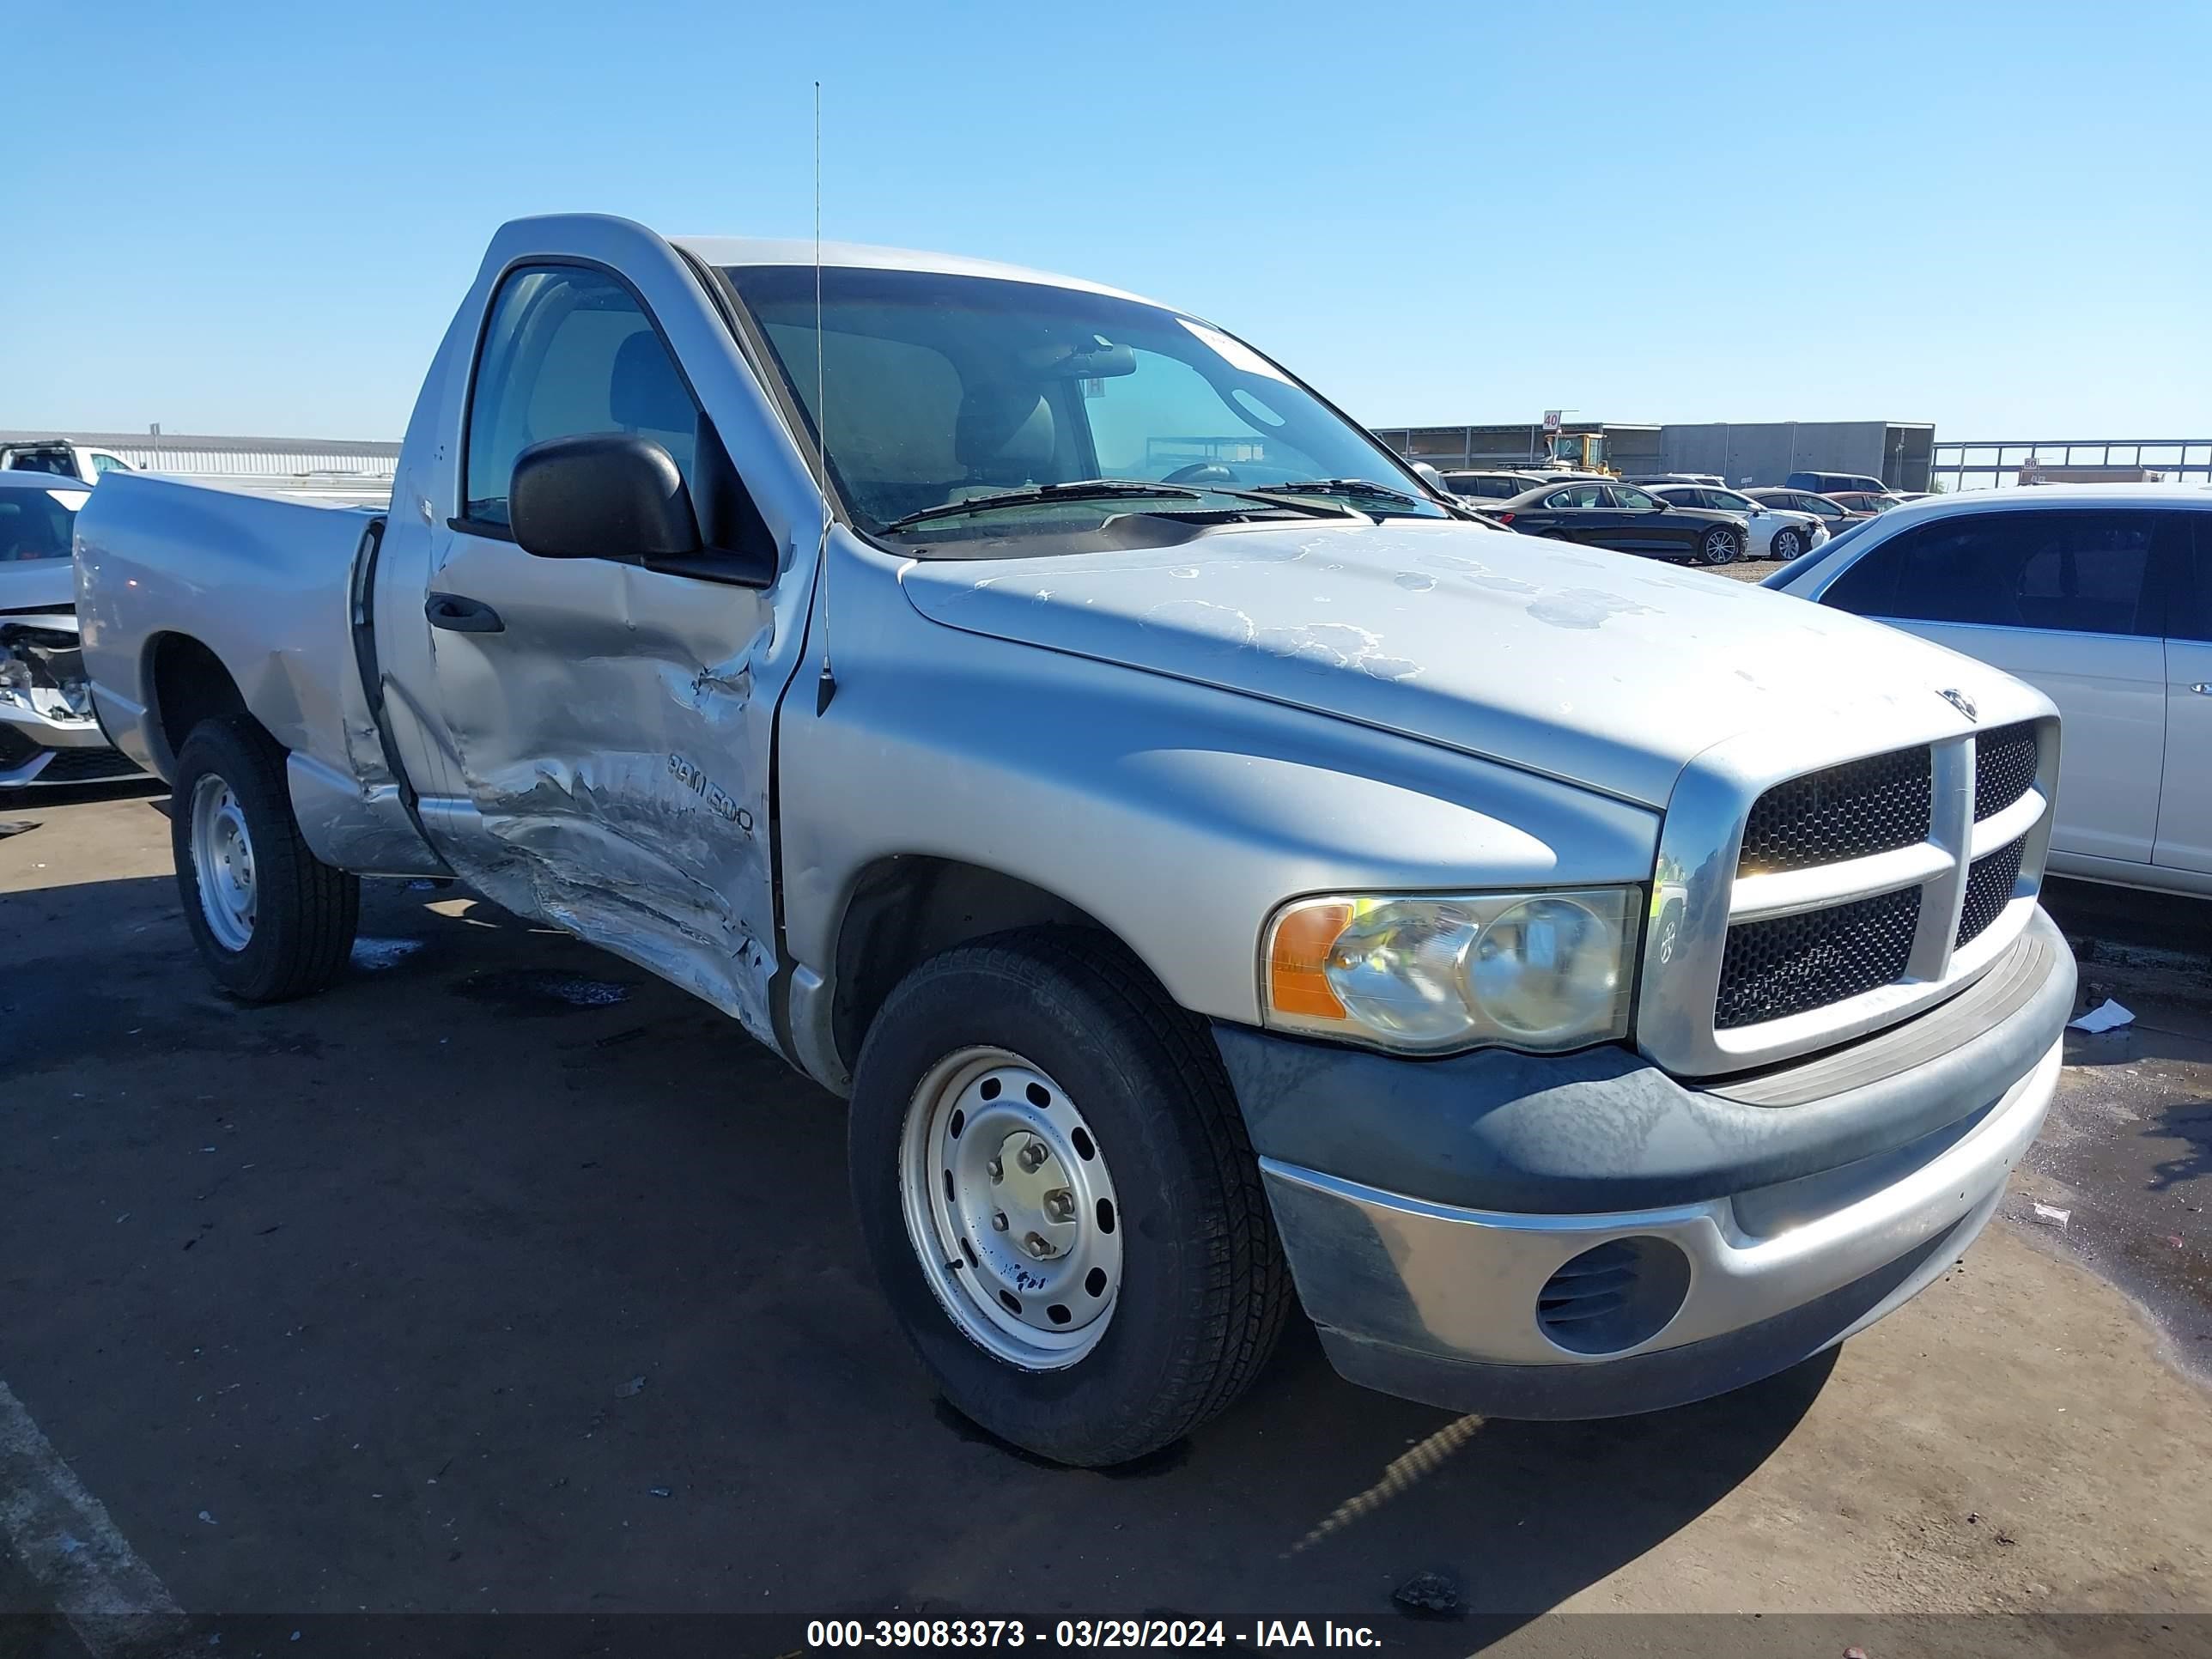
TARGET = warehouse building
(1747,454)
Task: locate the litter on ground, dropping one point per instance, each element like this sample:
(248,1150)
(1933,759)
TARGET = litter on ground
(2106,1016)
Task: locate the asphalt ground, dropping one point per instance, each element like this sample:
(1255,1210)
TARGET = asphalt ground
(502,1277)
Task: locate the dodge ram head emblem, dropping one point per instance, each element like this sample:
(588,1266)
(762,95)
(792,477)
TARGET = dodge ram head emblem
(1962,702)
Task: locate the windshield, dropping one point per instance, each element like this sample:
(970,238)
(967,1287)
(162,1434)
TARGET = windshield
(35,524)
(945,389)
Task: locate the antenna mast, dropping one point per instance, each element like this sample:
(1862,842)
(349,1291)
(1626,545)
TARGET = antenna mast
(826,687)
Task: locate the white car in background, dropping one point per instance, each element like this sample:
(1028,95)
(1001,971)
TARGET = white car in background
(2099,596)
(1776,533)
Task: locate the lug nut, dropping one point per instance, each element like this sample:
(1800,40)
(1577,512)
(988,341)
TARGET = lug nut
(998,1222)
(1032,1156)
(1036,1246)
(997,1174)
(1060,1203)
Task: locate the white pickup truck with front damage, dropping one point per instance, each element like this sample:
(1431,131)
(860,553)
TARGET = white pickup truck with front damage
(1220,875)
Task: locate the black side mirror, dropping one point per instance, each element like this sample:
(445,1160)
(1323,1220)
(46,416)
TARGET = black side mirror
(601,495)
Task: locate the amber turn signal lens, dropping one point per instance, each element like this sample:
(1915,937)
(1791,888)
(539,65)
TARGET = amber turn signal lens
(1298,983)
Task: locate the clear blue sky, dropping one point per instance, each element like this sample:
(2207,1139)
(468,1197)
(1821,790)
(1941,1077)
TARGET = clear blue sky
(250,217)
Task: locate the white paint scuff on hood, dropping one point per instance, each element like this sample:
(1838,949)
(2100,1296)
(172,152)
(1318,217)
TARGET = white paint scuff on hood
(1599,668)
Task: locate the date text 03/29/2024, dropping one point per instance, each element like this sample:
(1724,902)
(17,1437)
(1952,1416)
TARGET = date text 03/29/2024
(825,1634)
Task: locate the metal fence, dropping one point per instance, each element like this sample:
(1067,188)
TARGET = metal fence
(1997,464)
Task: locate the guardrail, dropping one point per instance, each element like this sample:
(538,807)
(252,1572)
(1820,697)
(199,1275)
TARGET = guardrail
(1997,463)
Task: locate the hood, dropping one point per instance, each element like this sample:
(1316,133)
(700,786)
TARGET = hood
(38,585)
(1598,668)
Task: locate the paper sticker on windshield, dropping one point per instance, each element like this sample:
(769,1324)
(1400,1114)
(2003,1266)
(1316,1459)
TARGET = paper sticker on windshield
(1234,353)
(71,499)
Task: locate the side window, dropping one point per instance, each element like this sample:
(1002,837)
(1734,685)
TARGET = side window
(2078,572)
(1636,500)
(1580,496)
(1868,586)
(569,351)
(104,462)
(2192,606)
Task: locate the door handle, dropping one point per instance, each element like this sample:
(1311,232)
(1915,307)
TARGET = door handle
(458,614)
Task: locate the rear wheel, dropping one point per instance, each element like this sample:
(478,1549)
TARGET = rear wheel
(1787,544)
(1719,545)
(272,921)
(1056,1192)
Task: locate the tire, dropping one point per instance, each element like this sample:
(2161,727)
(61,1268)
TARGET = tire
(1719,545)
(1787,544)
(1198,1288)
(272,921)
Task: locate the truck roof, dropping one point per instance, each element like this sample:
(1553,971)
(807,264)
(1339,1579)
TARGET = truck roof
(768,251)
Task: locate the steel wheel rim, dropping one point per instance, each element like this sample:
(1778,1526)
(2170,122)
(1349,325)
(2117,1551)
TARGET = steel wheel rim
(989,1135)
(222,863)
(1720,547)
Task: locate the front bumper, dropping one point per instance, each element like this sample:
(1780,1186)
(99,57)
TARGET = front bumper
(37,747)
(1709,1236)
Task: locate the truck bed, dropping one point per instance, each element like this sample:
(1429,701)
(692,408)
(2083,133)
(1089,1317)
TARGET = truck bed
(167,569)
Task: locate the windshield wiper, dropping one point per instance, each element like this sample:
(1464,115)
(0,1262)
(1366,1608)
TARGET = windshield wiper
(1111,489)
(1082,490)
(1358,488)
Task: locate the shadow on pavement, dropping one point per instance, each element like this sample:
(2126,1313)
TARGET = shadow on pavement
(504,1276)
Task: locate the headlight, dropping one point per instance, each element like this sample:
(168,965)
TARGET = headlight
(1538,971)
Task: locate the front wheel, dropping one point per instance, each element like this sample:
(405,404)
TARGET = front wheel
(1787,544)
(1719,545)
(272,921)
(1056,1192)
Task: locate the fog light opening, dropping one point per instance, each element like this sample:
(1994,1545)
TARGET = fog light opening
(1614,1295)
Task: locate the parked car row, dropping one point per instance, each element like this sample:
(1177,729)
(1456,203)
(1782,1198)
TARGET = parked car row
(1602,513)
(1777,532)
(1711,523)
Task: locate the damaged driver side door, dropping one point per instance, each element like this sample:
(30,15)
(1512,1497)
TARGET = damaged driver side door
(598,705)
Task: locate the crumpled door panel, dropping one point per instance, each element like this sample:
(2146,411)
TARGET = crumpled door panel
(608,744)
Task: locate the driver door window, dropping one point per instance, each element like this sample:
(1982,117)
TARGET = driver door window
(567,351)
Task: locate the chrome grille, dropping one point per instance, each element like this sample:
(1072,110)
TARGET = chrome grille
(2004,769)
(1847,812)
(1793,964)
(1989,883)
(1800,906)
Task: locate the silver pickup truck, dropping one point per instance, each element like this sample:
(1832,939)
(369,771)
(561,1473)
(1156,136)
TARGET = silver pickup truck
(1219,872)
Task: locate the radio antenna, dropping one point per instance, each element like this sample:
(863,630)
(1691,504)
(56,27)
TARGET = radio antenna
(826,687)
